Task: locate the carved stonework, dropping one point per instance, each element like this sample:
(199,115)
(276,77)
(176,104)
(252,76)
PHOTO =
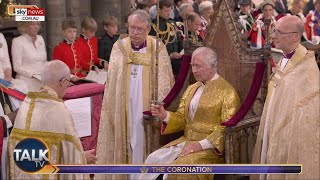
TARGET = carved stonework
(240,141)
(236,61)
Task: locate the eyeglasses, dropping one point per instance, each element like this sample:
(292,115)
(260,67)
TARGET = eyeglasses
(138,30)
(65,79)
(275,31)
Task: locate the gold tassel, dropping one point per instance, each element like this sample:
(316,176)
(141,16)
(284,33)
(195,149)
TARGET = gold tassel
(6,107)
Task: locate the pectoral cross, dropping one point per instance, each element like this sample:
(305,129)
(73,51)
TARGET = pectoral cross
(134,72)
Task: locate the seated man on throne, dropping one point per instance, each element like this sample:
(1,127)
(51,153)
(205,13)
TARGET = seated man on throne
(202,109)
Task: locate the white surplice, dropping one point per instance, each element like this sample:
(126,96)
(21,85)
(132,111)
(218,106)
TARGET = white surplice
(283,63)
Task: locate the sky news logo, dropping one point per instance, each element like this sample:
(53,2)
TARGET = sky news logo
(26,12)
(31,155)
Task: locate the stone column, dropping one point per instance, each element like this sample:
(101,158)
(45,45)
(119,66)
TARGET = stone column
(116,8)
(73,12)
(85,9)
(125,11)
(55,14)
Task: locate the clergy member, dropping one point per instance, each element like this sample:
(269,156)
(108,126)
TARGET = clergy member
(203,107)
(44,116)
(289,129)
(129,88)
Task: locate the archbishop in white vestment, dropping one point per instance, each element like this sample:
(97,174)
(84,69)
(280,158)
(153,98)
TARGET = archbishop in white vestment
(129,88)
(289,131)
(44,116)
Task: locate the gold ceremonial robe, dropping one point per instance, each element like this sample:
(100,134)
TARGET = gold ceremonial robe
(293,135)
(44,116)
(218,103)
(113,138)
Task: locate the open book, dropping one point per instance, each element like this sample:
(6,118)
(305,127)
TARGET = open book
(81,114)
(99,76)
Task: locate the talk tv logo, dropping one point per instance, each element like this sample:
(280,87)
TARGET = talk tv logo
(31,155)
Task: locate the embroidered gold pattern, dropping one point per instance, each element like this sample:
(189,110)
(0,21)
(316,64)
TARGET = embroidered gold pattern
(30,111)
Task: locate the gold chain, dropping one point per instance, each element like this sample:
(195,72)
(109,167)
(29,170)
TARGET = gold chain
(163,34)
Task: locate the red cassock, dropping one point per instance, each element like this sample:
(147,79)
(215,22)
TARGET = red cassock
(70,54)
(89,52)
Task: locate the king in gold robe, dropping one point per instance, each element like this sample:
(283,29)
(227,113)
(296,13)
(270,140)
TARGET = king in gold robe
(128,93)
(44,116)
(289,130)
(201,111)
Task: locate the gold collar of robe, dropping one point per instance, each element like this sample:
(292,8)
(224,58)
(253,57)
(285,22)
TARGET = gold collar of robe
(279,74)
(136,57)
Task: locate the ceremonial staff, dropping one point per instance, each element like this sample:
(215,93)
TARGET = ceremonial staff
(267,48)
(152,121)
(155,66)
(186,33)
(156,63)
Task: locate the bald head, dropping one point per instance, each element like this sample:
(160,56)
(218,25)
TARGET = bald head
(54,71)
(292,24)
(287,33)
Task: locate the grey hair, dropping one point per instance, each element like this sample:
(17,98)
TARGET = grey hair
(24,25)
(53,71)
(184,8)
(204,6)
(208,54)
(142,15)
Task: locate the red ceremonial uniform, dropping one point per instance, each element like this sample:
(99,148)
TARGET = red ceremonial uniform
(89,52)
(70,54)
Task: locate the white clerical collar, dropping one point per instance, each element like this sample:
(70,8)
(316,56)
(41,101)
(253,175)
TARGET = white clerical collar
(215,77)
